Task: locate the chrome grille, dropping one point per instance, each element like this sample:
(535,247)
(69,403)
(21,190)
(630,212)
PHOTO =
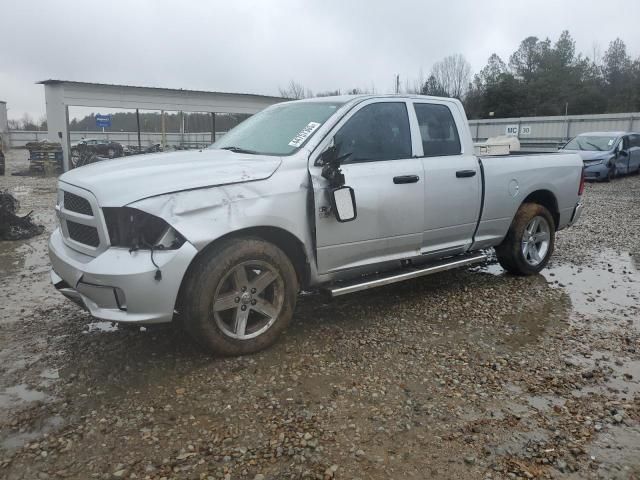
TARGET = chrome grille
(75,203)
(81,220)
(83,233)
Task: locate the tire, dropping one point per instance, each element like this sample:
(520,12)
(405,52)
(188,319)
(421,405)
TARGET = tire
(611,174)
(520,238)
(111,152)
(224,311)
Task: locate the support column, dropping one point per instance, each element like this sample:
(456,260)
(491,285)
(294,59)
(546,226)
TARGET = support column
(213,127)
(58,120)
(182,128)
(4,121)
(138,123)
(163,130)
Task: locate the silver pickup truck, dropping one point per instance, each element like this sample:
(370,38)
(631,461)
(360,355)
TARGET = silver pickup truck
(337,193)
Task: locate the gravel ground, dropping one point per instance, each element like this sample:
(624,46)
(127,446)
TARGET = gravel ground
(466,374)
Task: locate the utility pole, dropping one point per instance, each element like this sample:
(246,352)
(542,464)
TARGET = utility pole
(397,83)
(566,119)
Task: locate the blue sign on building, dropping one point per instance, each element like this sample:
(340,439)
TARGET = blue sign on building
(103,121)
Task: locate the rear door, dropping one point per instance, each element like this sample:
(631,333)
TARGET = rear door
(389,189)
(453,184)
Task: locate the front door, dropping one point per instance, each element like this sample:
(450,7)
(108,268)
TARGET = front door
(622,156)
(389,190)
(634,153)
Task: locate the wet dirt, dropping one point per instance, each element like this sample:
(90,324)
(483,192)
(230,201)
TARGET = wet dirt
(466,374)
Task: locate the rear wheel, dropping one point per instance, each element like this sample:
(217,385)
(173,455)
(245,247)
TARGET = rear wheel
(240,296)
(530,241)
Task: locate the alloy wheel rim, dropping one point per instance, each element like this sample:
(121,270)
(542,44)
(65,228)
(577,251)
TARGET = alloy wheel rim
(248,300)
(536,240)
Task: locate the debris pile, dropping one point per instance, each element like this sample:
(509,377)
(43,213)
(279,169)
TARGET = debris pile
(13,227)
(45,156)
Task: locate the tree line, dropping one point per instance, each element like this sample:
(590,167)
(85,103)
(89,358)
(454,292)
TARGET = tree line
(545,78)
(149,122)
(540,78)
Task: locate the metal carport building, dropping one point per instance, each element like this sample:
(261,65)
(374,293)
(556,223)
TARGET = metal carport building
(61,94)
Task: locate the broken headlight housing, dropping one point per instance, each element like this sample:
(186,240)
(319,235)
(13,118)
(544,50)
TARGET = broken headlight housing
(135,229)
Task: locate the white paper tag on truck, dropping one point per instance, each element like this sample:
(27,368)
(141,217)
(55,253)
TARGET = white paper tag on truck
(304,133)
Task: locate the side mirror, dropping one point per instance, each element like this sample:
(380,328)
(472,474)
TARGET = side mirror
(343,204)
(622,153)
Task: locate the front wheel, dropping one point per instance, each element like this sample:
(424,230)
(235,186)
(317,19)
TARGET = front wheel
(529,243)
(240,296)
(611,174)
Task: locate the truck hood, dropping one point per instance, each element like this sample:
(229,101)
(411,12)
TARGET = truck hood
(590,155)
(116,183)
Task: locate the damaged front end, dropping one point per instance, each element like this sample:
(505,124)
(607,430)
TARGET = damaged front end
(122,264)
(134,229)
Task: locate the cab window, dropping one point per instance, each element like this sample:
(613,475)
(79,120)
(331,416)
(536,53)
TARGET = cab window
(438,130)
(376,132)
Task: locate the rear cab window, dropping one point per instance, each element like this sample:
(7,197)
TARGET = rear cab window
(438,130)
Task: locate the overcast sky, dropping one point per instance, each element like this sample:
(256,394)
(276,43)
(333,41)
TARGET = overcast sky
(258,46)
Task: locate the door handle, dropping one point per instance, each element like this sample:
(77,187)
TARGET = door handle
(406,179)
(465,173)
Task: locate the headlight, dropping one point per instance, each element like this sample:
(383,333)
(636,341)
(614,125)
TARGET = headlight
(593,162)
(132,228)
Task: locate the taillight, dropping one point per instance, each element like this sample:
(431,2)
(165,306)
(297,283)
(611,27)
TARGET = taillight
(581,187)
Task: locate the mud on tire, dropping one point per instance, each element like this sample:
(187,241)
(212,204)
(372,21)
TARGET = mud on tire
(240,296)
(510,252)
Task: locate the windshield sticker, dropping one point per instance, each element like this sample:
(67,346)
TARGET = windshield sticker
(304,133)
(610,141)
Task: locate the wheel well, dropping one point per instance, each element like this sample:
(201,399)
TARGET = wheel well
(284,240)
(547,200)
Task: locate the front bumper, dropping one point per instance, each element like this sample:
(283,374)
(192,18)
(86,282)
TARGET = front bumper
(596,172)
(120,286)
(577,211)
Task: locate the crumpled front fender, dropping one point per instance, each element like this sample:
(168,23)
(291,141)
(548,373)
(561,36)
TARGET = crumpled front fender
(204,215)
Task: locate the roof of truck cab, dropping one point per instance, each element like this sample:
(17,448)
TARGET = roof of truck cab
(342,99)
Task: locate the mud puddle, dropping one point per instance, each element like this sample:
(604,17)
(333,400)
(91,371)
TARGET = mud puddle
(24,266)
(609,286)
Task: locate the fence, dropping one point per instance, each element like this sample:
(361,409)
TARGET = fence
(19,138)
(541,133)
(549,132)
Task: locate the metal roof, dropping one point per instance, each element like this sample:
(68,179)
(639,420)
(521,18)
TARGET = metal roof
(53,81)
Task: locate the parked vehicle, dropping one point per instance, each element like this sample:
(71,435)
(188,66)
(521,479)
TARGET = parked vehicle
(336,193)
(607,154)
(134,150)
(88,147)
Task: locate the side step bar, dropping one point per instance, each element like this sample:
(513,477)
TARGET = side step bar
(373,281)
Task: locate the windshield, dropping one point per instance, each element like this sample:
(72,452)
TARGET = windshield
(278,130)
(591,143)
